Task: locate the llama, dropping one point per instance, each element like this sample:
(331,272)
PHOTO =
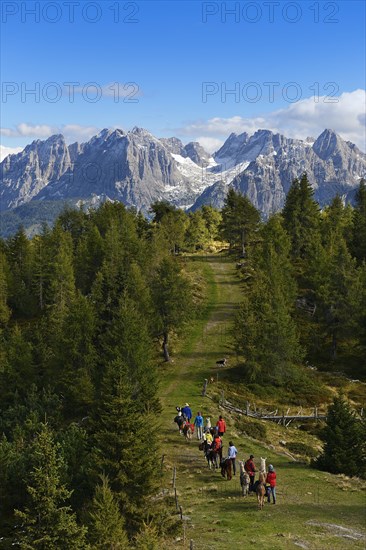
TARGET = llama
(262,468)
(244,479)
(261,491)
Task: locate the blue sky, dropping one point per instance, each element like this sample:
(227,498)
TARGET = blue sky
(295,67)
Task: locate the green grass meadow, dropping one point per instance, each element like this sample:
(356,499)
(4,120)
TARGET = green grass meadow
(314,510)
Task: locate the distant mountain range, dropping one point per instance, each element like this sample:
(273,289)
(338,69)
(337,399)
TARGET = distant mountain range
(137,169)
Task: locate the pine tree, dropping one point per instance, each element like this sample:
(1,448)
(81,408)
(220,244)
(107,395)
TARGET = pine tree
(358,244)
(47,522)
(171,229)
(42,269)
(19,255)
(62,280)
(125,443)
(265,332)
(240,221)
(213,219)
(128,340)
(337,286)
(106,524)
(301,216)
(344,450)
(336,222)
(72,368)
(197,236)
(4,274)
(172,298)
(89,258)
(18,373)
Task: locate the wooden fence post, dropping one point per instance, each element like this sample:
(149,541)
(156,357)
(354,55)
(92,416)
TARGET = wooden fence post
(174,476)
(191,545)
(204,389)
(247,408)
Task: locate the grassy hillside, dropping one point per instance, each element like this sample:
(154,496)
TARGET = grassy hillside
(315,510)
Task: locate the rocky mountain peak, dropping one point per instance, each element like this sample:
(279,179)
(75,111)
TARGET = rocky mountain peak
(138,169)
(327,144)
(230,149)
(174,145)
(197,153)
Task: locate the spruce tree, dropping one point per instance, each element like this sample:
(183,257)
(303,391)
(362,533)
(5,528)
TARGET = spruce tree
(72,367)
(172,299)
(125,443)
(197,236)
(240,221)
(302,217)
(337,286)
(358,244)
(128,340)
(47,522)
(4,308)
(63,279)
(106,524)
(212,218)
(88,258)
(344,445)
(264,331)
(20,258)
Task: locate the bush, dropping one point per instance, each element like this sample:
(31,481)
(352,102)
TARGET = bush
(302,449)
(257,430)
(314,428)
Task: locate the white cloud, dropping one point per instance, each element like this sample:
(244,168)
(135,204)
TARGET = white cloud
(211,144)
(75,132)
(5,151)
(72,132)
(346,116)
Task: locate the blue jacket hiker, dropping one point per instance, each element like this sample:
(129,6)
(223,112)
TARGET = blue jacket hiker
(198,422)
(186,412)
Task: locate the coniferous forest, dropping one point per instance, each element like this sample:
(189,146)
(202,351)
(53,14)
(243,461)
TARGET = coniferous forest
(88,311)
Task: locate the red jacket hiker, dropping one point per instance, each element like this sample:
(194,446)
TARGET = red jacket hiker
(221,425)
(271,479)
(217,443)
(249,467)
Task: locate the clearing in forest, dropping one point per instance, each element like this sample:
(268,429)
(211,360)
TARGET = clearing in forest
(314,510)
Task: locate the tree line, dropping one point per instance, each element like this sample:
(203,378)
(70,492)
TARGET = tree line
(304,277)
(86,306)
(84,309)
(304,299)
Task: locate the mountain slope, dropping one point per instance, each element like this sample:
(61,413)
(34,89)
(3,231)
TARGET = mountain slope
(137,168)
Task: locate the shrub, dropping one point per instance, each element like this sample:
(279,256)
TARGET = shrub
(315,428)
(302,449)
(257,430)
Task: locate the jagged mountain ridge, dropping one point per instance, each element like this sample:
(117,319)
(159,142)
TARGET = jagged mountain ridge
(137,168)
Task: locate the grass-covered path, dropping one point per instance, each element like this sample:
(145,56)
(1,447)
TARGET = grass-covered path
(314,509)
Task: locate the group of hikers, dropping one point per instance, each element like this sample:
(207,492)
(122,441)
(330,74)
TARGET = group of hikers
(211,437)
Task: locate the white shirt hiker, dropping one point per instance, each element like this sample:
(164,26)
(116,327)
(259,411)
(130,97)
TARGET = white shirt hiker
(232,452)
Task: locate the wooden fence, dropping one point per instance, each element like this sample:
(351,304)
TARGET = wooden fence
(285,418)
